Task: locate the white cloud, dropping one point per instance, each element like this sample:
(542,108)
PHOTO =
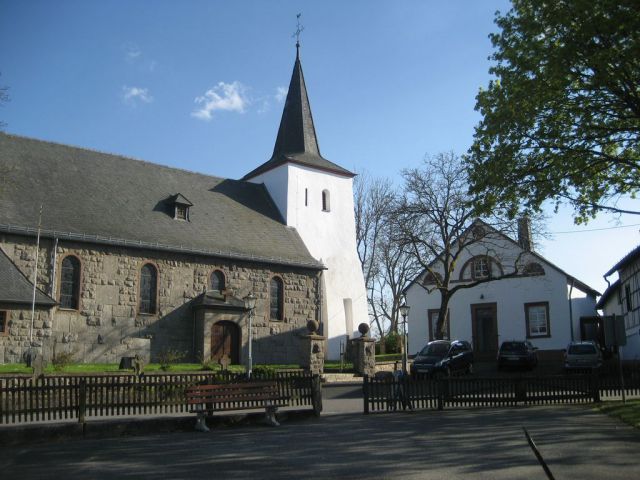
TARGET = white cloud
(132,52)
(135,95)
(230,97)
(281,94)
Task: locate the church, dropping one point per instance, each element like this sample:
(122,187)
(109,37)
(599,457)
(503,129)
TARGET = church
(134,258)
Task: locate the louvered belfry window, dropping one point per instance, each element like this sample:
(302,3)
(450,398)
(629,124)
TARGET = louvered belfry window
(277,299)
(70,283)
(148,289)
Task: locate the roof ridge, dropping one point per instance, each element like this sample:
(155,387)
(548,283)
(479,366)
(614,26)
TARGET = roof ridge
(117,155)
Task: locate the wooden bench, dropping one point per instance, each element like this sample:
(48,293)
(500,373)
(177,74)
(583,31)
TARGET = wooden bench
(208,399)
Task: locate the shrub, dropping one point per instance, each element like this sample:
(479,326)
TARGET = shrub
(393,342)
(61,360)
(169,357)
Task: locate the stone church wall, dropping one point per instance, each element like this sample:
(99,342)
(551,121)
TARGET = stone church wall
(107,324)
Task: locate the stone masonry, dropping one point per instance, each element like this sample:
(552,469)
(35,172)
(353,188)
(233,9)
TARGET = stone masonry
(107,324)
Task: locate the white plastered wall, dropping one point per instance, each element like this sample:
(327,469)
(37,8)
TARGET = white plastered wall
(330,237)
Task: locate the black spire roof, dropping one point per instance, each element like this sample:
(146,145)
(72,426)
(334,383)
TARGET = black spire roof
(297,141)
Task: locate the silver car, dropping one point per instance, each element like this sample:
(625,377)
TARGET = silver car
(582,356)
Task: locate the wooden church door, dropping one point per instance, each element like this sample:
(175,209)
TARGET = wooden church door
(225,341)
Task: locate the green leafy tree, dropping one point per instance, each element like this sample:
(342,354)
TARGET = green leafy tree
(561,120)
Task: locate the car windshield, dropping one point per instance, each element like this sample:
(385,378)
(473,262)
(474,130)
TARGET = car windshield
(513,347)
(435,350)
(582,349)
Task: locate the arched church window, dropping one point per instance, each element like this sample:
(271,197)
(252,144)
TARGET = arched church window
(276,301)
(326,201)
(217,281)
(70,282)
(148,288)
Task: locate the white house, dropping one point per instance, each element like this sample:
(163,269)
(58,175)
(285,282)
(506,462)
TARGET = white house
(623,298)
(540,302)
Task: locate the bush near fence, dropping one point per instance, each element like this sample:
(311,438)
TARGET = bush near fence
(78,397)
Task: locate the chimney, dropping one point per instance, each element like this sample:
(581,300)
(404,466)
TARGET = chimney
(524,233)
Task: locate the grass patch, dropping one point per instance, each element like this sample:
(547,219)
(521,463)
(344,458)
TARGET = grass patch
(627,412)
(79,368)
(335,365)
(388,357)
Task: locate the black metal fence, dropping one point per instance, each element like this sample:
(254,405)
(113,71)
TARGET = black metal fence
(389,394)
(78,397)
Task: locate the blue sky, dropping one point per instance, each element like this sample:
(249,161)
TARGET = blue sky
(199,84)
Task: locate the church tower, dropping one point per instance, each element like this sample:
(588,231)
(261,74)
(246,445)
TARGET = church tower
(315,196)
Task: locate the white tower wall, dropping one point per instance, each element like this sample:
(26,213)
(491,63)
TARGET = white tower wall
(330,237)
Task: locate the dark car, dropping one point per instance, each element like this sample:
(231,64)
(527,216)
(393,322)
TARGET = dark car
(442,357)
(517,353)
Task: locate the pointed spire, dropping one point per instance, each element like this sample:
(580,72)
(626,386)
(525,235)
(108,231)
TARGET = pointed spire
(296,141)
(297,133)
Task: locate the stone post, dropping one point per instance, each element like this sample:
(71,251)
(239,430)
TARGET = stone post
(312,355)
(364,360)
(313,348)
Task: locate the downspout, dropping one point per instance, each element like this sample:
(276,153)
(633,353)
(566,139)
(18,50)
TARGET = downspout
(571,309)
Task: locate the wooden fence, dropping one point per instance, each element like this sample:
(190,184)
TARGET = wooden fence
(387,394)
(78,397)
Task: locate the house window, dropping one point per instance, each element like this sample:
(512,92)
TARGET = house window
(276,300)
(480,268)
(533,269)
(326,202)
(537,319)
(433,324)
(181,212)
(627,294)
(70,283)
(217,281)
(148,288)
(4,323)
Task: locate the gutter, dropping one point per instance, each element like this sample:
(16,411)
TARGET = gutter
(120,242)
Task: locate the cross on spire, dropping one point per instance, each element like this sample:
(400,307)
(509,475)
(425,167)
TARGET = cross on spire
(299,30)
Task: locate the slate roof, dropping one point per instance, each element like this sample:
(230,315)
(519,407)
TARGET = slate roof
(626,260)
(16,288)
(608,293)
(570,278)
(297,141)
(103,198)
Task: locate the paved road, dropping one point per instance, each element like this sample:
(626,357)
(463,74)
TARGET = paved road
(479,444)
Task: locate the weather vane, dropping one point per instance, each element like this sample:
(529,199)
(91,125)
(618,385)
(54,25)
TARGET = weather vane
(299,30)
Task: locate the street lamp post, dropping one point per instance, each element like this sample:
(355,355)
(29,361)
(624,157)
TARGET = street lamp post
(250,302)
(404,311)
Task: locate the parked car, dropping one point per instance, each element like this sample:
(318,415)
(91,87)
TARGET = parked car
(582,356)
(517,353)
(443,357)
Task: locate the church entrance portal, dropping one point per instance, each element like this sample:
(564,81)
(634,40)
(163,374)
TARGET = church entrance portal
(225,338)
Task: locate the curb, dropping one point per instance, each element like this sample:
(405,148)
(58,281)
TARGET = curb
(31,434)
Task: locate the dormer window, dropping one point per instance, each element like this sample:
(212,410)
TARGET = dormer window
(180,206)
(181,212)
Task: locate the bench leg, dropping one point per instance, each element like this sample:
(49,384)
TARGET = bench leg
(270,416)
(201,424)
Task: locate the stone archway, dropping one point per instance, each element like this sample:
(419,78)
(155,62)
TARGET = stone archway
(225,341)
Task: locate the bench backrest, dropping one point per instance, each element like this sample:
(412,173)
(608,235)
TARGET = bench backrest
(231,393)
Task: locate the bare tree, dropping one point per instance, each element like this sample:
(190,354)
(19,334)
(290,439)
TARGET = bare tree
(436,220)
(387,266)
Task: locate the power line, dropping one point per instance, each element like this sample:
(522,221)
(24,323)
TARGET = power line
(597,229)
